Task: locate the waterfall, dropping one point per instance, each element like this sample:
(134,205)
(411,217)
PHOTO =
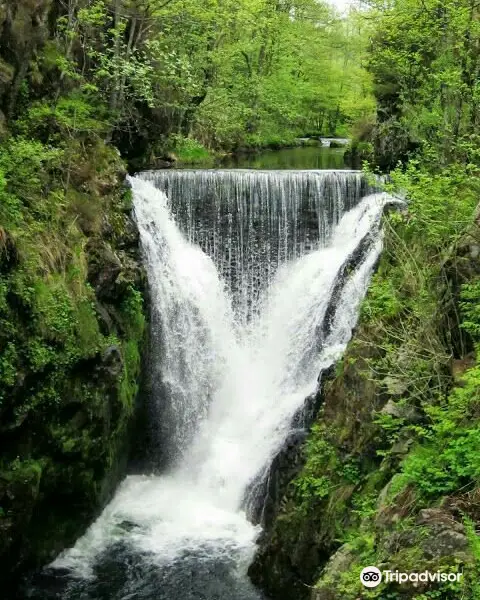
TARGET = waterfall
(250,222)
(256,280)
(238,228)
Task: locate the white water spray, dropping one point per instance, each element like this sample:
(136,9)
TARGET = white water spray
(233,385)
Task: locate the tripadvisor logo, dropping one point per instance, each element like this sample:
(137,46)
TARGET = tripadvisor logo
(371,577)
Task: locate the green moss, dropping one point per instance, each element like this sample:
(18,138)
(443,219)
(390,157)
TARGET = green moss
(87,330)
(133,314)
(190,152)
(65,409)
(447,458)
(129,384)
(6,72)
(27,471)
(9,365)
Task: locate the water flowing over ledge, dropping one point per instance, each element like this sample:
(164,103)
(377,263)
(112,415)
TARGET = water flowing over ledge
(251,222)
(230,368)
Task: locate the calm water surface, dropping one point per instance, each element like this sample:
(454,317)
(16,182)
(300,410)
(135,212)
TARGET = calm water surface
(305,157)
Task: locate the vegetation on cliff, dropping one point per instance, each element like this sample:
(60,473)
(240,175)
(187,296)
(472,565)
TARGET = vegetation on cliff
(71,328)
(391,473)
(71,297)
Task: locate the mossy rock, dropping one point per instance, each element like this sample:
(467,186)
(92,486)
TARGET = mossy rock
(72,326)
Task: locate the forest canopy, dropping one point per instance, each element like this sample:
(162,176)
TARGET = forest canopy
(225,73)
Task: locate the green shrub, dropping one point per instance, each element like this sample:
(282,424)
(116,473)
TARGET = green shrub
(448,460)
(470,308)
(189,150)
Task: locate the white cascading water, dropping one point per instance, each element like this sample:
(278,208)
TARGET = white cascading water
(250,222)
(232,382)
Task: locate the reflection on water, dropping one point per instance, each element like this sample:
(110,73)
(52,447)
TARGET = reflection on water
(305,157)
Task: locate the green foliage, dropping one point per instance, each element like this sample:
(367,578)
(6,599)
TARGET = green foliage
(402,308)
(364,504)
(390,426)
(383,300)
(309,487)
(368,471)
(129,385)
(470,308)
(8,365)
(261,96)
(225,73)
(425,80)
(471,573)
(62,411)
(134,314)
(350,470)
(440,206)
(447,461)
(54,311)
(326,473)
(70,116)
(25,169)
(189,151)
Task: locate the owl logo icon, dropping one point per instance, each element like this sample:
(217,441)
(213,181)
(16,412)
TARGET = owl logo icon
(371,577)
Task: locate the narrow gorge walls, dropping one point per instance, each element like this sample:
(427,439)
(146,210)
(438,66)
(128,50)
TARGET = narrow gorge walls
(390,473)
(231,367)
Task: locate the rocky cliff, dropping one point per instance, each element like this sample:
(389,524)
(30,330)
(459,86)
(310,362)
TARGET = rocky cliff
(71,331)
(72,315)
(389,474)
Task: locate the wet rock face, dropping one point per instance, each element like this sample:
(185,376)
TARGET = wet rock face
(436,535)
(400,411)
(281,570)
(339,563)
(263,499)
(8,252)
(435,539)
(111,364)
(301,540)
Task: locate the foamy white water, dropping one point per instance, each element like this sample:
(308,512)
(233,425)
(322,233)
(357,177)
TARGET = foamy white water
(232,385)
